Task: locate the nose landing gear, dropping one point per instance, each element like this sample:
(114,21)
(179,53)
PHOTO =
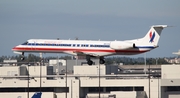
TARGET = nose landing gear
(22,58)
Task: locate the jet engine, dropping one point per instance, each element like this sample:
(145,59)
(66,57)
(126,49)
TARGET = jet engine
(120,45)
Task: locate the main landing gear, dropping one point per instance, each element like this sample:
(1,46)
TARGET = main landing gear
(101,60)
(90,62)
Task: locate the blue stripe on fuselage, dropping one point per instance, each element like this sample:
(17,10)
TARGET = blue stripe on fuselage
(145,47)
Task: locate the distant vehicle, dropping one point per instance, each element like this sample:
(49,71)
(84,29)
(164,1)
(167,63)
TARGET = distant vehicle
(90,48)
(37,95)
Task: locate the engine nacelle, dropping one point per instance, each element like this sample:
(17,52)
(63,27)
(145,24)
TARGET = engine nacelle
(119,45)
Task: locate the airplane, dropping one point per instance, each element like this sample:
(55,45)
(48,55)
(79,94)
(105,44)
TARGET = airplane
(90,48)
(37,95)
(177,53)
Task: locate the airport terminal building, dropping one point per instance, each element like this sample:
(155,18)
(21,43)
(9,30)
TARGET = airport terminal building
(82,81)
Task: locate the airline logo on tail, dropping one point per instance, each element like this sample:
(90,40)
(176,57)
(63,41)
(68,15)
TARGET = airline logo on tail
(152,36)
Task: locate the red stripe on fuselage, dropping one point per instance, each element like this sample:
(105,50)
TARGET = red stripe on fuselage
(75,50)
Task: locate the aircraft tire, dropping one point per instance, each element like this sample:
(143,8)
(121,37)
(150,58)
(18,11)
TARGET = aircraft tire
(90,62)
(101,61)
(22,59)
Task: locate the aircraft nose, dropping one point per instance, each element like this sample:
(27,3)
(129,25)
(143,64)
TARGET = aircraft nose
(14,48)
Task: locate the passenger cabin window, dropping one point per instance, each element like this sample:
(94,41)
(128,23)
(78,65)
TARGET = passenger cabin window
(33,44)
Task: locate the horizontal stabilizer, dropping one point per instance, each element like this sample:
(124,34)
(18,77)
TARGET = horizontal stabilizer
(158,26)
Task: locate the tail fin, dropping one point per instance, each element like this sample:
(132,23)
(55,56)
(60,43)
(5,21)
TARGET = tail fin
(153,35)
(37,95)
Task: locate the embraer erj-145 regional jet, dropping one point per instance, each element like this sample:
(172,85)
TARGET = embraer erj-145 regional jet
(90,48)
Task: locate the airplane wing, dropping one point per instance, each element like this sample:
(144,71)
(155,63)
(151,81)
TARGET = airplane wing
(79,53)
(91,54)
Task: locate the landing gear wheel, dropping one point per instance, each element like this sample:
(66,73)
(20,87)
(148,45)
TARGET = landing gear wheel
(101,61)
(22,59)
(90,62)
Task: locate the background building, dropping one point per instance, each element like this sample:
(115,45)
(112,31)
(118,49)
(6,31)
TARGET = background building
(89,82)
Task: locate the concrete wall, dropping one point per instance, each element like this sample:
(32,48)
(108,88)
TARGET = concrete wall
(35,70)
(89,70)
(170,71)
(155,90)
(25,95)
(96,95)
(75,89)
(94,70)
(170,82)
(9,71)
(33,83)
(121,94)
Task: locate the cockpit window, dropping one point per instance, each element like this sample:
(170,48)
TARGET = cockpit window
(25,43)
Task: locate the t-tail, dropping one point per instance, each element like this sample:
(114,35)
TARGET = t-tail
(153,35)
(37,95)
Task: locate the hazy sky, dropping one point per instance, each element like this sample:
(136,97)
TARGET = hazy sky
(21,20)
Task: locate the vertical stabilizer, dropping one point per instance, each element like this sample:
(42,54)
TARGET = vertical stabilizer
(153,35)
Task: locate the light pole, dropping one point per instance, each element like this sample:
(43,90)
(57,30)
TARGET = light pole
(28,81)
(149,81)
(99,80)
(157,61)
(66,78)
(42,61)
(158,88)
(150,61)
(145,63)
